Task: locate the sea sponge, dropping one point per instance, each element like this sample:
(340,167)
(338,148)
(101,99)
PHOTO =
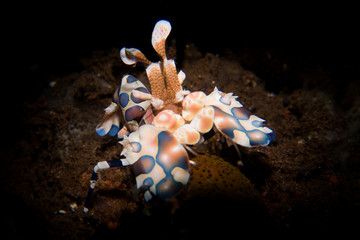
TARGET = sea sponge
(214,178)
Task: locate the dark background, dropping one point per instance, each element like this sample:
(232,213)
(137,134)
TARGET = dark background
(50,39)
(44,41)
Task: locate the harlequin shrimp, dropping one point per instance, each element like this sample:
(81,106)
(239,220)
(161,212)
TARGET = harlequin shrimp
(156,126)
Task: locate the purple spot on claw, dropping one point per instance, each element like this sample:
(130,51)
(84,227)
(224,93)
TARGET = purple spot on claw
(134,113)
(123,99)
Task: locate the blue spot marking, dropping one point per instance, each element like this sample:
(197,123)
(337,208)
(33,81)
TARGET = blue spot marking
(241,113)
(138,147)
(165,138)
(228,132)
(138,100)
(168,187)
(142,89)
(258,138)
(225,103)
(257,123)
(131,79)
(114,130)
(144,165)
(148,182)
(123,100)
(101,132)
(134,113)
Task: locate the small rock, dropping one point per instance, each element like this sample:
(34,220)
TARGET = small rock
(73,207)
(62,212)
(52,84)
